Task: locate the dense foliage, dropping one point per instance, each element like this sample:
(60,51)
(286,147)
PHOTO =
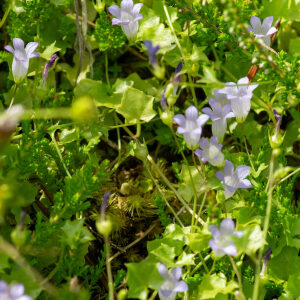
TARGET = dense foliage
(104,186)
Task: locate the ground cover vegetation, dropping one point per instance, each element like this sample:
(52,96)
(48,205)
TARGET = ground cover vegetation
(149,150)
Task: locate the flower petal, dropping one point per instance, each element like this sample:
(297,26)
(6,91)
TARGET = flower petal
(256,24)
(17,290)
(198,153)
(231,250)
(202,119)
(136,9)
(207,111)
(163,271)
(227,227)
(115,11)
(214,230)
(139,17)
(181,287)
(266,39)
(219,128)
(238,234)
(244,184)
(33,55)
(115,21)
(271,31)
(203,143)
(244,80)
(179,119)
(20,68)
(181,130)
(220,175)
(9,49)
(242,172)
(228,169)
(267,23)
(218,251)
(191,113)
(176,273)
(30,47)
(127,5)
(18,44)
(3,286)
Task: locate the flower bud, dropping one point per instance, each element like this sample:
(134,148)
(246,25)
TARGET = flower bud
(171,100)
(83,109)
(141,151)
(169,90)
(167,118)
(276,140)
(104,227)
(19,236)
(122,294)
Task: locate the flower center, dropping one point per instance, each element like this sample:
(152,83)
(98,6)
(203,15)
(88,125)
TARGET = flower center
(232,180)
(127,17)
(211,152)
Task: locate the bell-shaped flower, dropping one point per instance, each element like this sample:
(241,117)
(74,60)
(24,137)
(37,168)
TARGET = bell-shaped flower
(222,242)
(13,292)
(221,97)
(128,17)
(240,97)
(10,118)
(233,179)
(219,116)
(22,55)
(169,289)
(264,30)
(210,151)
(190,125)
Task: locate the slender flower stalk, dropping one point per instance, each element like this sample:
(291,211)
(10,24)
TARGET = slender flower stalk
(128,17)
(22,55)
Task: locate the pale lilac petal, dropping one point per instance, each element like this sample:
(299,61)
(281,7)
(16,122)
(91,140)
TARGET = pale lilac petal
(256,23)
(272,30)
(163,271)
(115,11)
(220,175)
(127,5)
(30,48)
(198,153)
(244,184)
(229,193)
(18,44)
(33,55)
(115,21)
(20,68)
(3,286)
(130,29)
(227,227)
(24,297)
(181,130)
(207,111)
(166,293)
(179,119)
(191,113)
(267,23)
(176,273)
(238,234)
(228,169)
(214,140)
(214,230)
(252,87)
(231,250)
(202,119)
(197,131)
(9,49)
(218,251)
(244,80)
(219,127)
(136,9)
(266,39)
(17,290)
(181,287)
(139,17)
(241,107)
(191,138)
(203,142)
(242,171)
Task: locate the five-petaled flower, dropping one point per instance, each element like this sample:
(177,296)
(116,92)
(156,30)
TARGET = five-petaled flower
(13,292)
(221,242)
(169,289)
(190,125)
(218,115)
(20,63)
(210,151)
(240,97)
(128,17)
(233,179)
(264,30)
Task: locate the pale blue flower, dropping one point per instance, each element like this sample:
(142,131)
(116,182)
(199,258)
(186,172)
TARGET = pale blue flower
(221,242)
(173,284)
(240,97)
(264,30)
(13,292)
(20,63)
(10,118)
(219,115)
(220,97)
(233,179)
(190,125)
(210,151)
(128,17)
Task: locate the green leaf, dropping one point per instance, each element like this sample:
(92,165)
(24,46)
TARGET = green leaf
(49,51)
(199,241)
(140,276)
(214,284)
(136,106)
(285,264)
(293,285)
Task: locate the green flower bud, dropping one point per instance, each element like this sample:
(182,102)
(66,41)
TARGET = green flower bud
(19,236)
(141,151)
(276,140)
(169,90)
(122,294)
(167,118)
(83,109)
(104,227)
(171,100)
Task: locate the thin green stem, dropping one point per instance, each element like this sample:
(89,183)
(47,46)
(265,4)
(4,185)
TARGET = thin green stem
(106,70)
(266,228)
(5,14)
(59,154)
(13,96)
(200,264)
(109,272)
(238,275)
(138,130)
